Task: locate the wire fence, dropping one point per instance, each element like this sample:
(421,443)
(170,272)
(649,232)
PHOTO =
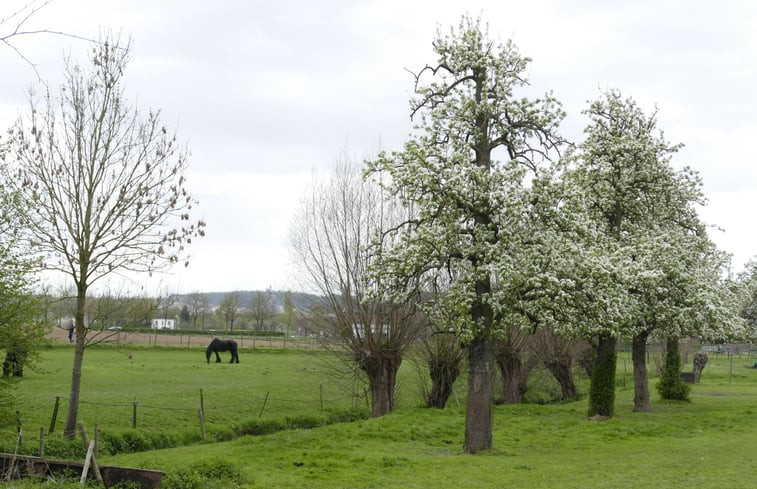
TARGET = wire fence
(19,436)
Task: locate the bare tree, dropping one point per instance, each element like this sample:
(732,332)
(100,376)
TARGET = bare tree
(261,308)
(106,184)
(438,352)
(229,309)
(15,25)
(198,308)
(556,352)
(289,315)
(444,356)
(142,310)
(330,238)
(515,365)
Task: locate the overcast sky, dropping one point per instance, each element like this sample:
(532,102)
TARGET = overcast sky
(265,93)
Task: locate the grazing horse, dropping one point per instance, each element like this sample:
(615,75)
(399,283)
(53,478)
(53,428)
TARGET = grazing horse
(222,345)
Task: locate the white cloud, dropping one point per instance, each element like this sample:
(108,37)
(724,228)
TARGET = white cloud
(264,92)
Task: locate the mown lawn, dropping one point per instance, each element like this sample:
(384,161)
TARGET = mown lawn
(707,442)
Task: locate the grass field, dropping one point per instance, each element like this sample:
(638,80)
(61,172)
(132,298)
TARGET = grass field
(166,384)
(707,442)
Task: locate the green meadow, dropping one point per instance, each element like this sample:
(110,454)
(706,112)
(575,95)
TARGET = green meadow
(315,443)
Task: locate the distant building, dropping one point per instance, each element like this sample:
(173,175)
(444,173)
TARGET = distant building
(163,324)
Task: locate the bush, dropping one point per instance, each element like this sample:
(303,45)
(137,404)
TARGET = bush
(135,441)
(602,389)
(59,447)
(671,386)
(259,427)
(347,415)
(113,443)
(223,434)
(542,388)
(205,475)
(8,402)
(305,421)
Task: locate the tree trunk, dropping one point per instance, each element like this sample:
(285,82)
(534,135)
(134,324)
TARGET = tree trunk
(671,386)
(602,391)
(641,399)
(478,418)
(382,377)
(511,368)
(562,370)
(443,375)
(69,430)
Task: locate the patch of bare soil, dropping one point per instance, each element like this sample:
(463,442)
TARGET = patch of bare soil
(194,338)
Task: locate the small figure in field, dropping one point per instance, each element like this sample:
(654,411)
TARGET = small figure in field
(131,357)
(71,329)
(222,345)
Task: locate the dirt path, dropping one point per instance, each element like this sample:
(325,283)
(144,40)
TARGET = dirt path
(189,339)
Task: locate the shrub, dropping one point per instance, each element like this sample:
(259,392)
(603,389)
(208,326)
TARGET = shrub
(542,388)
(223,434)
(8,402)
(159,440)
(260,427)
(304,421)
(347,415)
(205,475)
(670,385)
(59,447)
(135,441)
(602,390)
(111,443)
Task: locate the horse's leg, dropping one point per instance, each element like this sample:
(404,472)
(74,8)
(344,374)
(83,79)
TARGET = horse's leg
(218,357)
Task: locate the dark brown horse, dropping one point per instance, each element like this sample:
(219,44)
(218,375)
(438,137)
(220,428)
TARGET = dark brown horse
(222,345)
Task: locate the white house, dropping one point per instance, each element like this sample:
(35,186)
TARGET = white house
(163,324)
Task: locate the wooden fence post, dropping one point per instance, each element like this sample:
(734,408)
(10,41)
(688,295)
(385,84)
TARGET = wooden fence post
(202,415)
(202,403)
(55,414)
(134,414)
(265,401)
(320,388)
(42,442)
(90,454)
(87,461)
(202,425)
(9,474)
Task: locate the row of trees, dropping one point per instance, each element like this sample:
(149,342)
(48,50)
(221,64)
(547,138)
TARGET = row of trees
(256,314)
(489,224)
(108,309)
